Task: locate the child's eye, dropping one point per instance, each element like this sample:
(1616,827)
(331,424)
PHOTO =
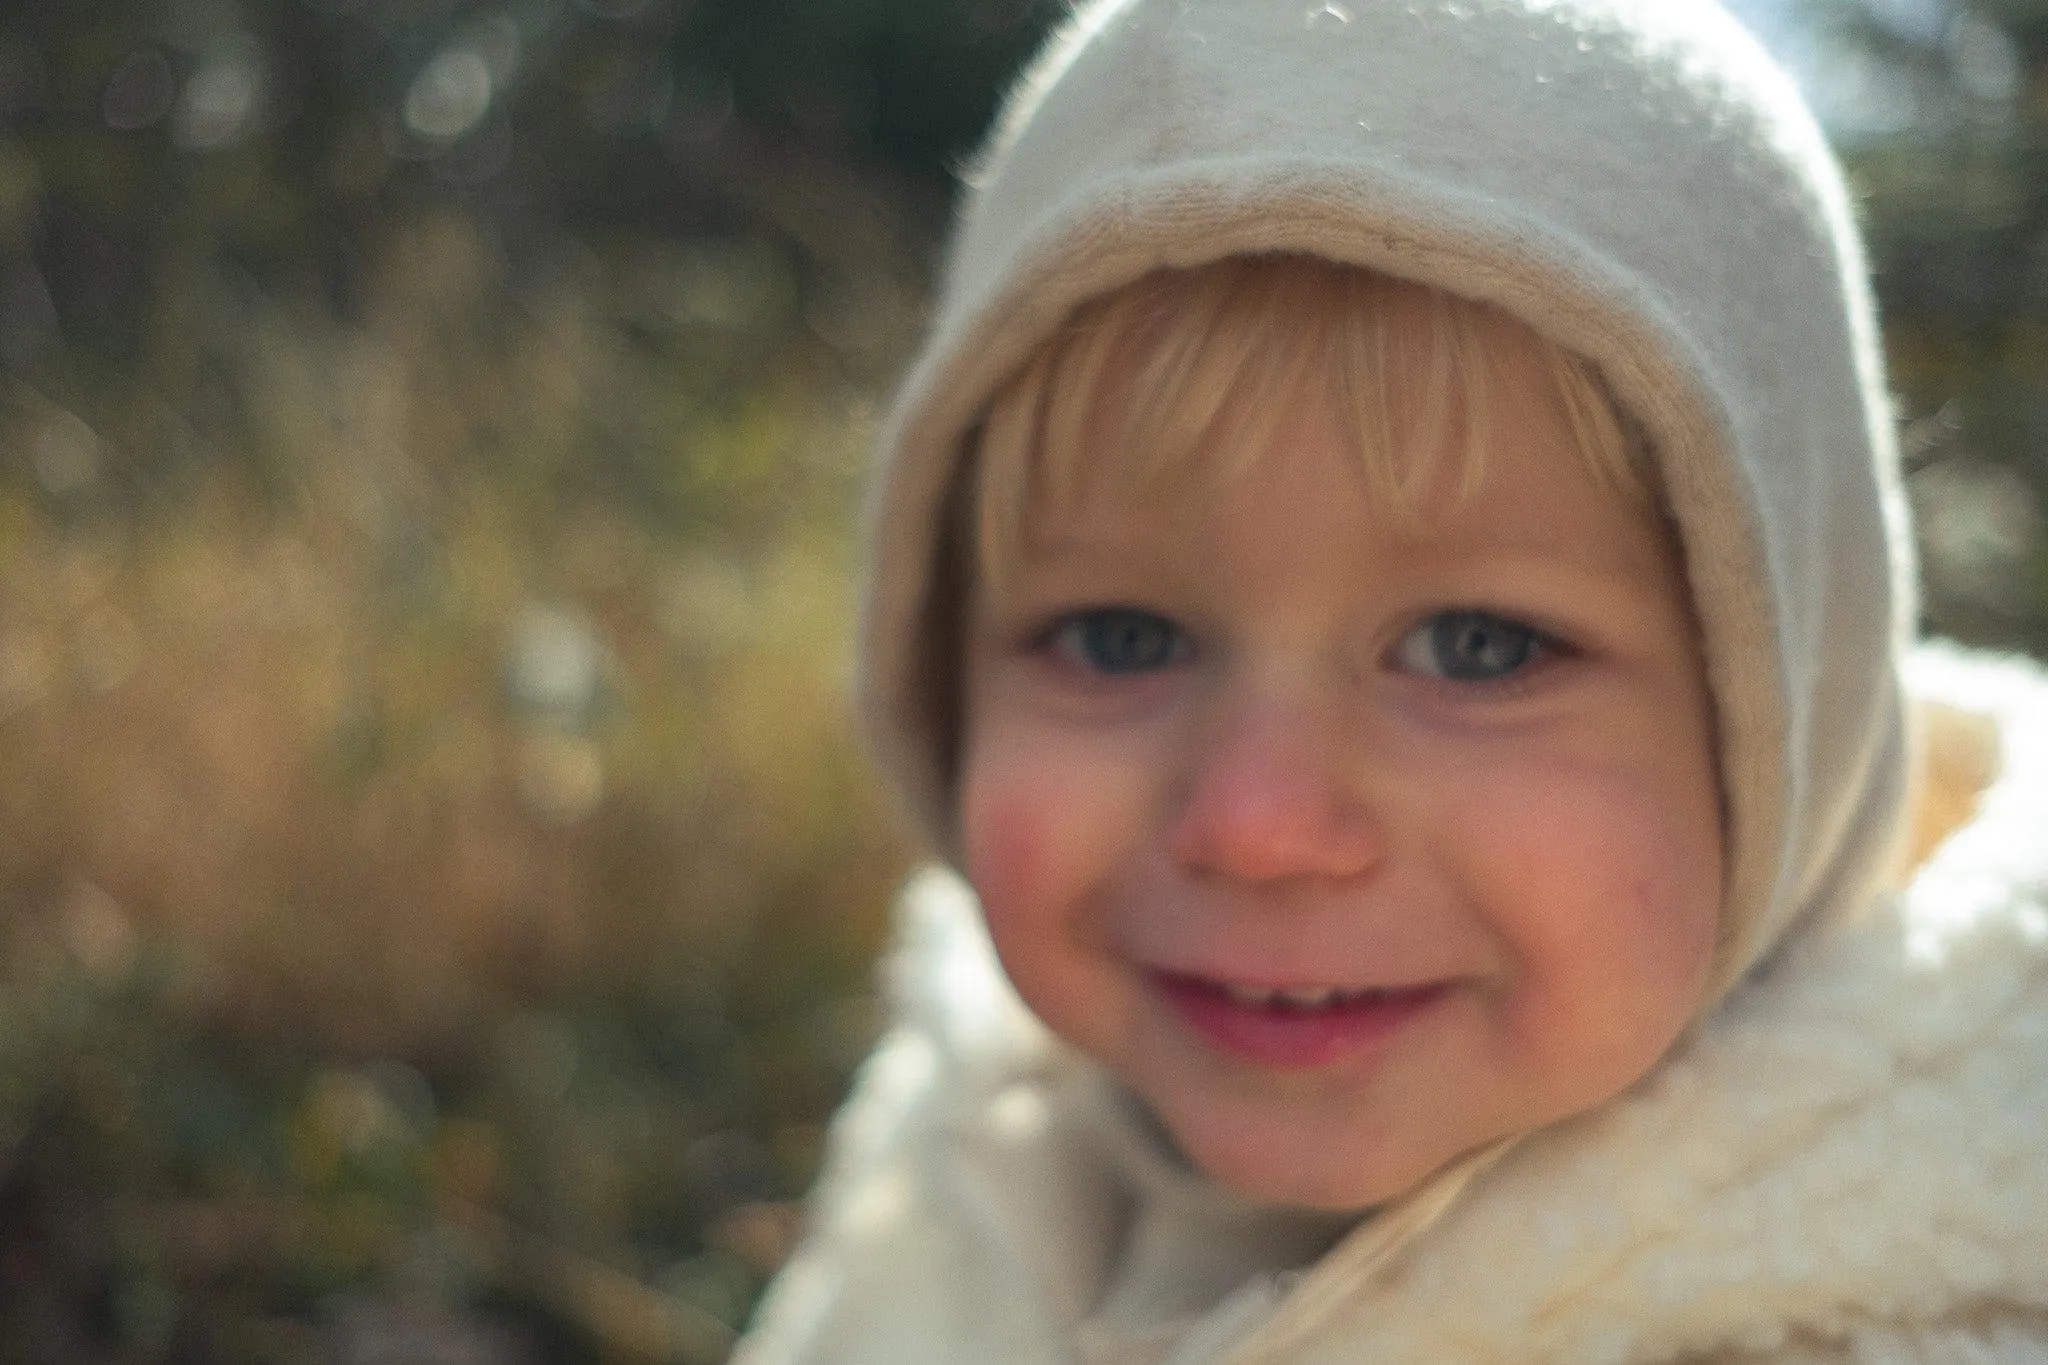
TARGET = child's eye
(1470,647)
(1119,640)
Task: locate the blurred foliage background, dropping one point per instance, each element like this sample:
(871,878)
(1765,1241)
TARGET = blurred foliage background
(437,886)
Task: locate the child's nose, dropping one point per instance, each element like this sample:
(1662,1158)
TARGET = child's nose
(1272,797)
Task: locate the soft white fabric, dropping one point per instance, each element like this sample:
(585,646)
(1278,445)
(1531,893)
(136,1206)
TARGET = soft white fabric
(1635,179)
(1845,1163)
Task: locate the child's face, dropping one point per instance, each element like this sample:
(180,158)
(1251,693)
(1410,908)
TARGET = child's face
(1227,755)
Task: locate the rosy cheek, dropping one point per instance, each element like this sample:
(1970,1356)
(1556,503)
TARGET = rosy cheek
(1004,838)
(1609,891)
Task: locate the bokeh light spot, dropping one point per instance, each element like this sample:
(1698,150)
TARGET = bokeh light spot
(222,99)
(450,96)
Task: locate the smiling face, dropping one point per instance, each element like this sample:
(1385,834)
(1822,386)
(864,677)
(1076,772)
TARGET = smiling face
(1350,839)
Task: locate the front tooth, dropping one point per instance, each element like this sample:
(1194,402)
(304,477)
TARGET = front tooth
(1251,996)
(1309,997)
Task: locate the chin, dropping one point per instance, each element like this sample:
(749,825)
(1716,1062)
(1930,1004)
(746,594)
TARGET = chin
(1298,1189)
(1260,1172)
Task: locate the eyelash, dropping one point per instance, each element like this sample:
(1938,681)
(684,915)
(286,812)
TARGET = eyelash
(1116,642)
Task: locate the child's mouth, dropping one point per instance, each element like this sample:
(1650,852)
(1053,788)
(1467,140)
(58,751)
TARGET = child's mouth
(1294,1028)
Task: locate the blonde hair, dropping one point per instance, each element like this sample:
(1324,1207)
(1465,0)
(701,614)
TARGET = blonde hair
(1192,372)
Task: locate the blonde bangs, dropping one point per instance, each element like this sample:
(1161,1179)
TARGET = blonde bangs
(1183,381)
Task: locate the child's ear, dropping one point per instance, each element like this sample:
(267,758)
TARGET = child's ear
(1959,756)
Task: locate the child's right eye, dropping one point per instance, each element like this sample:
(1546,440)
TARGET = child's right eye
(1118,640)
(1472,647)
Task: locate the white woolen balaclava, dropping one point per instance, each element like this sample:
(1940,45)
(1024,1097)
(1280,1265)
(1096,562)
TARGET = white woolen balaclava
(1634,179)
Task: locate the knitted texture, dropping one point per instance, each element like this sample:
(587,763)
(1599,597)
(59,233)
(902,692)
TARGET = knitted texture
(1634,179)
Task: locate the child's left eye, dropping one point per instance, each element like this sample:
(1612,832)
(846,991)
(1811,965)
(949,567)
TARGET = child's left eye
(1119,640)
(1470,647)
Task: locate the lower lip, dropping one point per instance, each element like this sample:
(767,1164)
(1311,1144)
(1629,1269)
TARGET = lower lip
(1289,1039)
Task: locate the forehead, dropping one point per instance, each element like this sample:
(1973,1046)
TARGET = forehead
(1306,496)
